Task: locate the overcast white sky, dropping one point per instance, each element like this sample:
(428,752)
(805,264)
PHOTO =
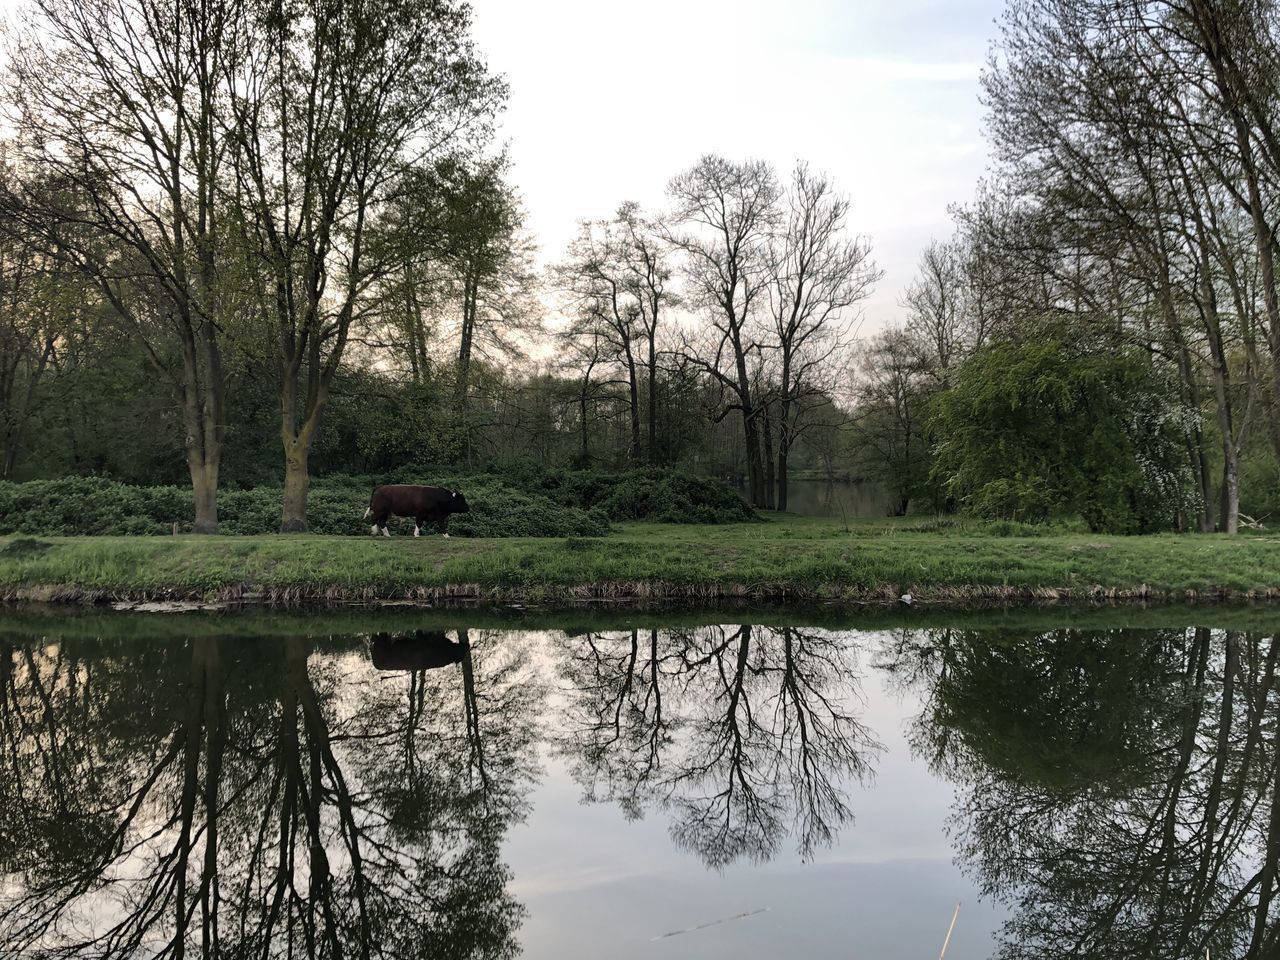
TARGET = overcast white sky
(609,100)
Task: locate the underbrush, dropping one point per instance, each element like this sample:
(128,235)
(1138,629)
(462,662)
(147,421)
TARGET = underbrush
(538,505)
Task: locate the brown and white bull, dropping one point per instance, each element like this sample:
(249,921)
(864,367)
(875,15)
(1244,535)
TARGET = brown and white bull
(421,503)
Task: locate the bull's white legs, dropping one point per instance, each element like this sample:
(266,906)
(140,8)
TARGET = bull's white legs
(446,536)
(386,533)
(416,531)
(373,531)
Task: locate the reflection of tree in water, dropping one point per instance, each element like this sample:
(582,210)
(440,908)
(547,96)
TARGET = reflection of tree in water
(1119,788)
(742,734)
(258,798)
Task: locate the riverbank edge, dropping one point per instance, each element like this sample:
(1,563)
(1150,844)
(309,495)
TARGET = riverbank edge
(638,595)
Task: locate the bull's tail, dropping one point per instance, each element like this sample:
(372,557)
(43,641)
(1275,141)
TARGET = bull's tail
(368,512)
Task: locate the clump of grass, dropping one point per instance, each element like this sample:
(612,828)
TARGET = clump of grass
(24,547)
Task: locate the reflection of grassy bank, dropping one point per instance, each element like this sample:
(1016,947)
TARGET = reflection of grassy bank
(780,560)
(61,621)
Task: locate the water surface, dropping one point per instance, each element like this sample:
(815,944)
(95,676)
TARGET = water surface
(219,787)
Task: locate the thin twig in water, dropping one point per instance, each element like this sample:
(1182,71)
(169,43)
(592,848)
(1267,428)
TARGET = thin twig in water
(943,954)
(703,926)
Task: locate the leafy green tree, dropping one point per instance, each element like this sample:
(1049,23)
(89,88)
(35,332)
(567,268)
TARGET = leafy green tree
(1058,427)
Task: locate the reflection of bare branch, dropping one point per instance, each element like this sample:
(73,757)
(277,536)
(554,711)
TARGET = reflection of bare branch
(741,734)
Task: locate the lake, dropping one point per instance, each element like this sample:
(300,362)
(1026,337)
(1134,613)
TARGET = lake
(426,784)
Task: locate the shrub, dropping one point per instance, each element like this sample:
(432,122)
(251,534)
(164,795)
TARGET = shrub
(90,505)
(76,506)
(1049,428)
(660,495)
(537,504)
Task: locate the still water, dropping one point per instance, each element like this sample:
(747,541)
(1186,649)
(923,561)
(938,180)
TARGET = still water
(837,499)
(841,500)
(424,788)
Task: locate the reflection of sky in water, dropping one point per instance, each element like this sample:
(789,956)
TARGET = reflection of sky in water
(594,883)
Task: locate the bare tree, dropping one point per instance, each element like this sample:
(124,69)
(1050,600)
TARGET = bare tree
(724,215)
(818,276)
(614,281)
(935,304)
(646,259)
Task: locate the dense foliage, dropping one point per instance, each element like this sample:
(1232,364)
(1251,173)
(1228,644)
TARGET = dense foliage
(1035,430)
(537,505)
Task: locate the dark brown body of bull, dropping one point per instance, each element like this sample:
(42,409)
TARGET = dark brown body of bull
(421,503)
(421,650)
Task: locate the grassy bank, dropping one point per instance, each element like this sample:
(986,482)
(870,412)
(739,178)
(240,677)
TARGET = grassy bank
(781,559)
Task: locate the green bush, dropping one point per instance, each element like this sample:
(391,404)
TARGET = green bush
(1048,429)
(534,504)
(657,495)
(91,505)
(77,506)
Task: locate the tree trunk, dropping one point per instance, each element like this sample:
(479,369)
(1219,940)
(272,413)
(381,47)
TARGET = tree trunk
(750,425)
(204,487)
(782,474)
(784,432)
(464,345)
(582,408)
(297,483)
(463,384)
(1229,507)
(1230,493)
(204,455)
(633,397)
(653,401)
(755,484)
(1196,452)
(766,455)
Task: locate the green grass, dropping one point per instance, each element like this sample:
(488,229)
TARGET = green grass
(782,558)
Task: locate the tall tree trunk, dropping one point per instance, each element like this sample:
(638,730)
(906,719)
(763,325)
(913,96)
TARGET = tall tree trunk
(750,424)
(1229,513)
(782,474)
(784,430)
(296,439)
(204,488)
(463,385)
(1199,455)
(633,398)
(653,399)
(582,417)
(204,456)
(297,484)
(464,349)
(766,454)
(751,440)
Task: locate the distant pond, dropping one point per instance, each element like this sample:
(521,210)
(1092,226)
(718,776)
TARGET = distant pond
(839,499)
(660,789)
